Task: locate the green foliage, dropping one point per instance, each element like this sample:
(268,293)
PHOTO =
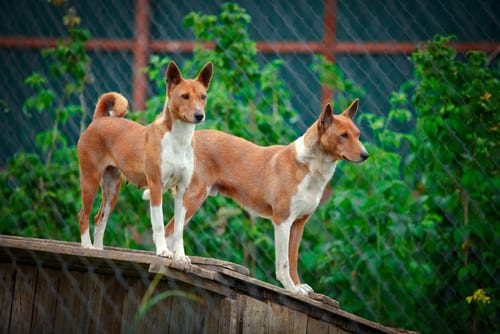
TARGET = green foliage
(70,64)
(242,92)
(455,157)
(331,76)
(39,198)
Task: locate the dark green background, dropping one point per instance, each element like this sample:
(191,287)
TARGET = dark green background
(357,21)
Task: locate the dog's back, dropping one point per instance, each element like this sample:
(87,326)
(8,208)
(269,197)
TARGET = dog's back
(217,152)
(109,132)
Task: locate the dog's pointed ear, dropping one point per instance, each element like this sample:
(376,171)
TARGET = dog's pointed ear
(173,75)
(206,74)
(326,118)
(351,111)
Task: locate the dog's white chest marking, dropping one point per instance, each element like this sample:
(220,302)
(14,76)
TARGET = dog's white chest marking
(310,189)
(177,157)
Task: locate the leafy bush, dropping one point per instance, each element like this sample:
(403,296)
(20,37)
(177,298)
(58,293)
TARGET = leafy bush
(455,159)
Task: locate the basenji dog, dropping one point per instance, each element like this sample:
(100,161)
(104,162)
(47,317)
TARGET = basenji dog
(283,183)
(158,156)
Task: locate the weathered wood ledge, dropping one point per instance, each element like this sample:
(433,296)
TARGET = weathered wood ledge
(244,303)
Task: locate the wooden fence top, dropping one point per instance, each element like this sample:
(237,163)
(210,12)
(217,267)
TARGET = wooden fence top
(217,276)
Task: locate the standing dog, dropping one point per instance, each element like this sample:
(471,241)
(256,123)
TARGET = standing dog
(283,183)
(158,156)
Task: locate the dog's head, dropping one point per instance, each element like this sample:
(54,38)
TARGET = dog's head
(187,98)
(339,137)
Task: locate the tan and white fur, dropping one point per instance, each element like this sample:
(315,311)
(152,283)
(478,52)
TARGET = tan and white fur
(158,156)
(283,183)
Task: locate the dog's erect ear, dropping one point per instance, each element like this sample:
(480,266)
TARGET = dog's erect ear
(326,118)
(173,74)
(206,74)
(351,111)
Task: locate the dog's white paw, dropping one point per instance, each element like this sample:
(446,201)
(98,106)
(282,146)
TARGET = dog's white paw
(304,289)
(85,240)
(180,256)
(146,195)
(165,253)
(301,289)
(181,262)
(183,259)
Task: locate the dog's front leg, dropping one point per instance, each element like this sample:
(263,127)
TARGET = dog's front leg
(176,240)
(155,202)
(296,232)
(281,241)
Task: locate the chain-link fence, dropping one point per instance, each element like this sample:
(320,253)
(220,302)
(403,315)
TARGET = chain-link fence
(402,239)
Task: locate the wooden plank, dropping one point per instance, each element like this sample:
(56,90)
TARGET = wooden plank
(113,295)
(332,329)
(157,319)
(86,312)
(212,305)
(185,313)
(227,317)
(324,299)
(95,295)
(68,306)
(72,248)
(216,264)
(285,320)
(131,306)
(327,312)
(133,263)
(46,298)
(254,316)
(197,311)
(315,326)
(195,276)
(7,283)
(24,296)
(120,254)
(207,304)
(177,314)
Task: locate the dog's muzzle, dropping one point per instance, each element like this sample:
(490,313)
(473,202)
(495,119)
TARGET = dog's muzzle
(198,117)
(364,155)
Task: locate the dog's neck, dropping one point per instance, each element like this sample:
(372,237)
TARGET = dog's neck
(181,130)
(309,152)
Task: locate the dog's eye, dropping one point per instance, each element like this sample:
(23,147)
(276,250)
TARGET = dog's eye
(185,96)
(203,97)
(344,135)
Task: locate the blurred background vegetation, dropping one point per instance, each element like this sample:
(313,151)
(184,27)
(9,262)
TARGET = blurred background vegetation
(408,238)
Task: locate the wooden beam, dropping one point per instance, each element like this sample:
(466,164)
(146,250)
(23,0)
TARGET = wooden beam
(329,42)
(174,46)
(101,266)
(140,49)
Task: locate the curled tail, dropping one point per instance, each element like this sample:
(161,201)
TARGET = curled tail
(111,104)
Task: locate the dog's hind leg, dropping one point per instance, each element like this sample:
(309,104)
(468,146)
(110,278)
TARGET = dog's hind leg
(89,182)
(111,182)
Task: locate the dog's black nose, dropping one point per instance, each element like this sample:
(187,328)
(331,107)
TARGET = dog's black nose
(199,116)
(364,155)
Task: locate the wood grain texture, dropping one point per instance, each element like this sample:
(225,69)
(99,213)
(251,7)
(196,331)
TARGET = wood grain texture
(55,286)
